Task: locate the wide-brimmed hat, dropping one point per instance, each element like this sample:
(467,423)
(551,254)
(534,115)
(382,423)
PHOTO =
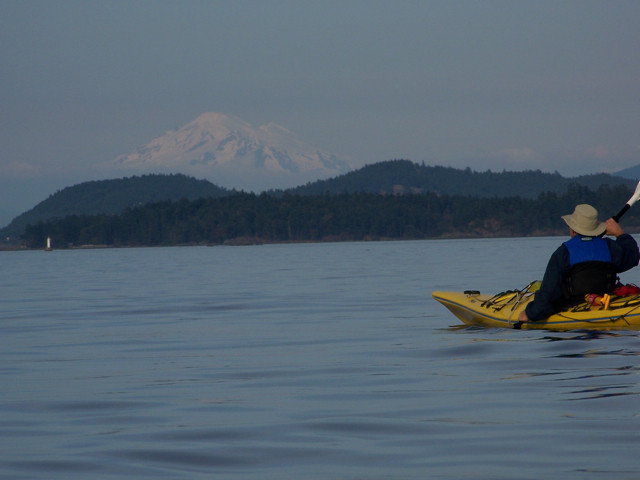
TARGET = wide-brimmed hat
(584,220)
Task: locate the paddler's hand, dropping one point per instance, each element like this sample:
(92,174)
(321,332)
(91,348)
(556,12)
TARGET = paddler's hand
(613,228)
(523,317)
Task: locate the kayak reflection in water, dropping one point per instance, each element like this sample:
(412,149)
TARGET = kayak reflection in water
(585,264)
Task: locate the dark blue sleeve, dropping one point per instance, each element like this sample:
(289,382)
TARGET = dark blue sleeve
(549,295)
(624,252)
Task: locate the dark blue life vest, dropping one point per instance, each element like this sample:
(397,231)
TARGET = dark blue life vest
(591,268)
(587,249)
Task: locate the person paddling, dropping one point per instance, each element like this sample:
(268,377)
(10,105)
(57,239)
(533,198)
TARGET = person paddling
(584,264)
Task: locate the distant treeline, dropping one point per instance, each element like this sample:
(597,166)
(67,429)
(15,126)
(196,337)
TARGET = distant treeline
(250,218)
(393,177)
(404,176)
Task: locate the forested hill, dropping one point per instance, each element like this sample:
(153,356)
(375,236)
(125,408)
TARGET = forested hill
(396,177)
(112,197)
(404,176)
(244,218)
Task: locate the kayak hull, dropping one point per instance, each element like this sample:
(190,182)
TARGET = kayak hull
(502,311)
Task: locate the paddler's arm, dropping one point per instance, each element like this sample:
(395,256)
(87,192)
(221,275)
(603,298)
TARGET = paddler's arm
(624,249)
(550,292)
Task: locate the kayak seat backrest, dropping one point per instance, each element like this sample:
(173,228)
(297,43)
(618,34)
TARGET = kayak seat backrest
(589,277)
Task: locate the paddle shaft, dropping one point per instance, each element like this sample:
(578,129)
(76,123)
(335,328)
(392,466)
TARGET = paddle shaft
(634,198)
(622,211)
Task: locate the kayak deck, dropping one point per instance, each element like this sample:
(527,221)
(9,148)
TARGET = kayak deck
(502,310)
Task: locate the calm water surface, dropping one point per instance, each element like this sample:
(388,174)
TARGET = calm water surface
(309,361)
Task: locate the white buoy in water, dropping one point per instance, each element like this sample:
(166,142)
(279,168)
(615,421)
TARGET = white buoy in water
(48,249)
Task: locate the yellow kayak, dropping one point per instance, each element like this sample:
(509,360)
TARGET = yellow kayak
(502,310)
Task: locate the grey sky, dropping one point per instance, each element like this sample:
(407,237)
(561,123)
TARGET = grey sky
(550,85)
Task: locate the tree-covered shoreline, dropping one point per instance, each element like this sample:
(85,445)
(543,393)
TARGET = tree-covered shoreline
(392,177)
(246,218)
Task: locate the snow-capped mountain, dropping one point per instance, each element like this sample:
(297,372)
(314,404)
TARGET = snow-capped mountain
(232,153)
